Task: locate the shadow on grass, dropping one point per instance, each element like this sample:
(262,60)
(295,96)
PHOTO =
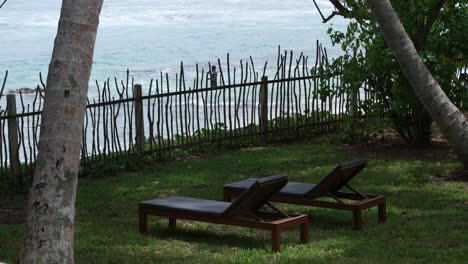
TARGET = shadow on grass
(207,237)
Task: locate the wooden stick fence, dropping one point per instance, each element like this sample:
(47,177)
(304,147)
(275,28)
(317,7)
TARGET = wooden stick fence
(224,106)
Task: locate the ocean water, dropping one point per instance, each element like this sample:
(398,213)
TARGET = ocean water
(153,36)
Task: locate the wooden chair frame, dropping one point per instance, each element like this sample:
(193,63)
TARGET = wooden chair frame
(280,222)
(363,202)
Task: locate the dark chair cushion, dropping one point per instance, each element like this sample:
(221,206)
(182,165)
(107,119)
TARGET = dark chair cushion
(278,177)
(332,183)
(296,189)
(353,162)
(257,193)
(240,186)
(187,205)
(292,189)
(337,178)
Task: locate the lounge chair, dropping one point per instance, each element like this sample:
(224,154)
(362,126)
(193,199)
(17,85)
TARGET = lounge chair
(307,193)
(244,211)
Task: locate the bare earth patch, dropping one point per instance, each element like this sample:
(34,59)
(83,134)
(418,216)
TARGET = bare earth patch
(393,146)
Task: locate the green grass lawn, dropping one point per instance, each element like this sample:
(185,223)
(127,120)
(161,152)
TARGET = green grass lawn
(427,218)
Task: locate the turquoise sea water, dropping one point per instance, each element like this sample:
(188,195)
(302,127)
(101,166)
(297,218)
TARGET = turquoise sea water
(150,36)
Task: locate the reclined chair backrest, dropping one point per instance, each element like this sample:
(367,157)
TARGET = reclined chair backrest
(257,194)
(338,178)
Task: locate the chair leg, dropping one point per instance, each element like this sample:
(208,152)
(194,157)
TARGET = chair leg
(357,219)
(305,233)
(142,226)
(382,212)
(172,222)
(226,197)
(276,239)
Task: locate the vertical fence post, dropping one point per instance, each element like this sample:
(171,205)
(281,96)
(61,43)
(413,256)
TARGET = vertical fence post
(139,121)
(214,84)
(214,77)
(263,111)
(13,143)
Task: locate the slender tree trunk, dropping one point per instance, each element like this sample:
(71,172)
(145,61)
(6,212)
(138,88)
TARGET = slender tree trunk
(51,206)
(447,116)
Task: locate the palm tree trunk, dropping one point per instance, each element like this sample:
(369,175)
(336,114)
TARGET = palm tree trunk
(51,207)
(447,116)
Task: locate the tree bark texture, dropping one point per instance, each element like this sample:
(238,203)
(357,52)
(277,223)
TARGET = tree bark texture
(447,116)
(51,207)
